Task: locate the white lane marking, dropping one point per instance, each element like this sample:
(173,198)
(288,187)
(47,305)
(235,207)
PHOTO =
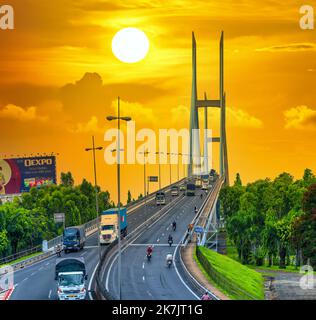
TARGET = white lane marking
(149,294)
(91,247)
(163,234)
(143,265)
(138,236)
(82,254)
(33,274)
(50,293)
(167,229)
(91,279)
(157,245)
(143,278)
(41,268)
(47,264)
(25,279)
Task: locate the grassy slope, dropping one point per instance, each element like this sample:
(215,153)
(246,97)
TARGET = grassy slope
(246,279)
(21,259)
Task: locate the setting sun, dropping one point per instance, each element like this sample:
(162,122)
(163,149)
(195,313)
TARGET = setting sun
(130,45)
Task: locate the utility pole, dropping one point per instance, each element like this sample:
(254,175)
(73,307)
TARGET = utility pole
(118,150)
(93,149)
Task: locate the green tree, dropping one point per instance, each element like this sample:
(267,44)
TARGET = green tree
(66,179)
(129,197)
(238,180)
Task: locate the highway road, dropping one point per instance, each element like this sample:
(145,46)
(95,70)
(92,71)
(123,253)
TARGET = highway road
(36,282)
(143,280)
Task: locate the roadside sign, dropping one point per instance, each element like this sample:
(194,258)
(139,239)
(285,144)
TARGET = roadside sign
(59,217)
(153,179)
(198,229)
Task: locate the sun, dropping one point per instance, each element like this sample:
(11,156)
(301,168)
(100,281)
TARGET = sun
(130,45)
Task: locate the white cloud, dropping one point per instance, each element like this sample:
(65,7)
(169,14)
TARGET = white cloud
(300,117)
(14,112)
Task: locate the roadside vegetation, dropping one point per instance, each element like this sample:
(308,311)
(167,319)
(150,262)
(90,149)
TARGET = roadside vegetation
(271,223)
(26,222)
(231,277)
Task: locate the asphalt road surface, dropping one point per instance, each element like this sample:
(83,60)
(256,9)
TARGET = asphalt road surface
(36,282)
(153,280)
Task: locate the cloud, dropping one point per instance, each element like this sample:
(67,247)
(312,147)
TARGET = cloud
(241,118)
(92,126)
(292,47)
(136,111)
(300,117)
(180,115)
(14,112)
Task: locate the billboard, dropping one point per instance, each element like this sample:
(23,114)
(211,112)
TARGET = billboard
(21,174)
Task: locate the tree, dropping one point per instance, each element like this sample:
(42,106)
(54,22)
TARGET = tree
(305,226)
(308,177)
(129,197)
(238,180)
(66,179)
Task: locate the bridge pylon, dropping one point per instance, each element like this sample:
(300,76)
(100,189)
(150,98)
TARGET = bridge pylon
(195,165)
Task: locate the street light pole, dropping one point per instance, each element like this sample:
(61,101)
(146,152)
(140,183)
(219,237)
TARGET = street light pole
(169,166)
(93,149)
(118,150)
(119,196)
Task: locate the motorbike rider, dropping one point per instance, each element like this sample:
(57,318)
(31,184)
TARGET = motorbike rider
(59,250)
(174,225)
(149,250)
(206,296)
(195,209)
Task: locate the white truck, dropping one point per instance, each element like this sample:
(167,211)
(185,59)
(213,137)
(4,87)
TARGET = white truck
(71,276)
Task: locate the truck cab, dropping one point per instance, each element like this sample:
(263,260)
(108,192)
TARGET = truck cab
(74,238)
(71,275)
(109,225)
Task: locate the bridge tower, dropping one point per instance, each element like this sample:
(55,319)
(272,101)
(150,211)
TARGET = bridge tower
(195,151)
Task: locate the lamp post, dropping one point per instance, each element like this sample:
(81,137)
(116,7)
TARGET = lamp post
(93,149)
(145,191)
(119,118)
(159,153)
(170,166)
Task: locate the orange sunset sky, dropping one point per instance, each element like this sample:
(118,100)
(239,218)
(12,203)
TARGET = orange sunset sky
(60,79)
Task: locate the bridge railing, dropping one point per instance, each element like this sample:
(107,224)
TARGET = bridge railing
(90,228)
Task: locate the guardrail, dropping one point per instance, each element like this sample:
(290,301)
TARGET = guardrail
(90,227)
(221,280)
(204,210)
(100,289)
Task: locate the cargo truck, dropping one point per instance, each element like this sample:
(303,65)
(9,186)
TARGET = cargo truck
(109,225)
(71,276)
(190,189)
(174,190)
(74,238)
(205,182)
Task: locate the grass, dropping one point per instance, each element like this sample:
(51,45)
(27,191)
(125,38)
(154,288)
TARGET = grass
(250,282)
(21,259)
(223,290)
(291,269)
(232,253)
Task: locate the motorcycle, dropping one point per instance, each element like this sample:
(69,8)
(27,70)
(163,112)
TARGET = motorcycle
(148,257)
(174,227)
(58,251)
(169,259)
(170,242)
